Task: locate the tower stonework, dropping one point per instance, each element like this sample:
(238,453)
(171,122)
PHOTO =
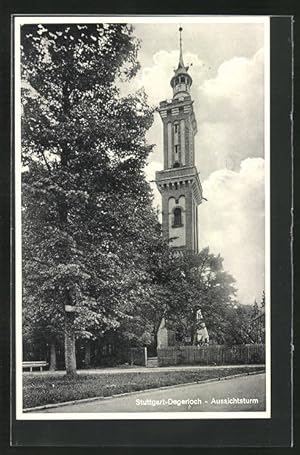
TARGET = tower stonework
(179,182)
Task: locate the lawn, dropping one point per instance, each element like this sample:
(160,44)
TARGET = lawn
(39,389)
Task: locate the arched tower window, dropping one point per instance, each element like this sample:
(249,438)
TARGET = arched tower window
(177,217)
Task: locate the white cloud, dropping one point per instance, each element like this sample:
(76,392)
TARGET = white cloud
(230,113)
(232,223)
(156,78)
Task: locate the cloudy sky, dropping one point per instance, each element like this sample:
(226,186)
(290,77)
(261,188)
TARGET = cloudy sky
(228,91)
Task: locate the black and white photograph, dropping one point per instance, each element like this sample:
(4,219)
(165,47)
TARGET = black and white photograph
(142,208)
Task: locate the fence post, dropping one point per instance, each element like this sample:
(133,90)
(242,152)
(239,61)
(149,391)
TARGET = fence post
(145,356)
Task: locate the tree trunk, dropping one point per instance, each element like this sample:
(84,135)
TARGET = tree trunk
(156,328)
(87,354)
(194,335)
(70,346)
(52,366)
(192,338)
(70,350)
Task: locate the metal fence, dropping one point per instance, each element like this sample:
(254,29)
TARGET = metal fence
(242,354)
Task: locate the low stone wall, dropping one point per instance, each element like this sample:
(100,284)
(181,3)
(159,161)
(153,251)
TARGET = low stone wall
(244,354)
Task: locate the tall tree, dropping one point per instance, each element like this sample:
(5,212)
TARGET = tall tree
(87,214)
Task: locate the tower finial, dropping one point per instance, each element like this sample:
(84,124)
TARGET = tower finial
(181,64)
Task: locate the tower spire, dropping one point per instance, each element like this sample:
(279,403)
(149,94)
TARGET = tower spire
(180,64)
(181,81)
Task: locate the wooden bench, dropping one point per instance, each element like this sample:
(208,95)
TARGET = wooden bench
(35,364)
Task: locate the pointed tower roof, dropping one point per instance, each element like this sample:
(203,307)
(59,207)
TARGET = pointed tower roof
(181,67)
(179,85)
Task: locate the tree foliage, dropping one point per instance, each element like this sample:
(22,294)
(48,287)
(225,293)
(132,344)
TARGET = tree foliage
(186,282)
(257,323)
(87,214)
